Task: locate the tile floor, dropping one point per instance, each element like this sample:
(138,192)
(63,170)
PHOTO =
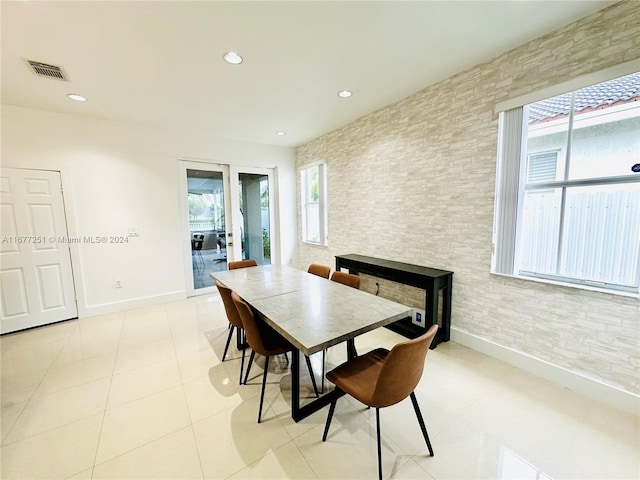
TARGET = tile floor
(143,394)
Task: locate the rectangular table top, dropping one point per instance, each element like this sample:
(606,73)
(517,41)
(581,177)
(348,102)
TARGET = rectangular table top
(311,312)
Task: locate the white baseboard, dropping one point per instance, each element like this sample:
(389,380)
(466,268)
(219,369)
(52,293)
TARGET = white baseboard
(105,308)
(590,387)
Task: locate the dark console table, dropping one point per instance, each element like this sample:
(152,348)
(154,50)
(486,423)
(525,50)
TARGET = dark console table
(431,280)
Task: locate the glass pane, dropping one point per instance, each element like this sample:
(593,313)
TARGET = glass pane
(601,235)
(548,127)
(313,222)
(606,129)
(539,232)
(313,190)
(254,209)
(605,137)
(206,225)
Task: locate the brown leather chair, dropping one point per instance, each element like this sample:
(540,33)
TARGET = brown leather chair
(319,270)
(351,281)
(382,378)
(346,279)
(234,322)
(264,340)
(242,264)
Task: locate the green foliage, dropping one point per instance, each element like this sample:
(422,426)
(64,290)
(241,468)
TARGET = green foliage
(266,243)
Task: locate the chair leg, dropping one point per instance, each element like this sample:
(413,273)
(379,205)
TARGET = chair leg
(313,377)
(253,354)
(324,356)
(421,422)
(379,447)
(226,347)
(329,417)
(242,366)
(241,340)
(264,381)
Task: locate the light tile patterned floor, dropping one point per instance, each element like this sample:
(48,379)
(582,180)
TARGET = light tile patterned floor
(143,394)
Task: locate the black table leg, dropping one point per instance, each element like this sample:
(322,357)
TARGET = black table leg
(299,412)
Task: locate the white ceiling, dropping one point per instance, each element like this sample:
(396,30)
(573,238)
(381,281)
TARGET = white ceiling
(160,63)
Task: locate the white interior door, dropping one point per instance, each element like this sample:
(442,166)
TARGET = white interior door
(35,263)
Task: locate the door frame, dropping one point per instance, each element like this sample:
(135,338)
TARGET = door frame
(234,172)
(72,248)
(183,166)
(230,176)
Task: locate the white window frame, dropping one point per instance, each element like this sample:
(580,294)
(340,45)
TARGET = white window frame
(510,187)
(322,203)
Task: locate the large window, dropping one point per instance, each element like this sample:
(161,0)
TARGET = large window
(314,217)
(568,188)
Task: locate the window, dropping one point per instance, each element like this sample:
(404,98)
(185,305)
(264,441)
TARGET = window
(314,216)
(568,188)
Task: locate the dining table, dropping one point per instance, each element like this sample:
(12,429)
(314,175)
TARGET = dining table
(312,313)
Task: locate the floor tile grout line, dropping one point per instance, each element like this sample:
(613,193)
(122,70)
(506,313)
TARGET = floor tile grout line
(317,474)
(106,403)
(137,447)
(28,401)
(186,401)
(146,396)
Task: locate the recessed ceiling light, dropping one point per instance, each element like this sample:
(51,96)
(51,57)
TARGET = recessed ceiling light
(76,97)
(232,58)
(345,94)
(281,133)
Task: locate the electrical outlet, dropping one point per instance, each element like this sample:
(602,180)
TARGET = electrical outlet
(118,283)
(418,317)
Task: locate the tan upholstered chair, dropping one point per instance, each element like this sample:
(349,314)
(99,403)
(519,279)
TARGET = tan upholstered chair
(243,264)
(319,270)
(264,340)
(351,281)
(234,322)
(346,279)
(382,378)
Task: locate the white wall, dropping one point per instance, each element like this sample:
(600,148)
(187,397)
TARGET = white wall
(118,175)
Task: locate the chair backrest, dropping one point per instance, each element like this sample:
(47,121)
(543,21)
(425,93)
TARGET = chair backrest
(229,306)
(242,264)
(346,278)
(402,370)
(319,270)
(251,330)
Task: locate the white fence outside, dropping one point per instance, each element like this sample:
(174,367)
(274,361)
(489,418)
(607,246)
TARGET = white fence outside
(601,236)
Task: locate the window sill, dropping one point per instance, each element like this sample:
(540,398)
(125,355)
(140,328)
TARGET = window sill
(571,285)
(315,244)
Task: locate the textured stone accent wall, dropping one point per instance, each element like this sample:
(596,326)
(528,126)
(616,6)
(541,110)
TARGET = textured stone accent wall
(415,182)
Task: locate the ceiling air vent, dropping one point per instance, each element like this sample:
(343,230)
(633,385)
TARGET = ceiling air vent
(49,71)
